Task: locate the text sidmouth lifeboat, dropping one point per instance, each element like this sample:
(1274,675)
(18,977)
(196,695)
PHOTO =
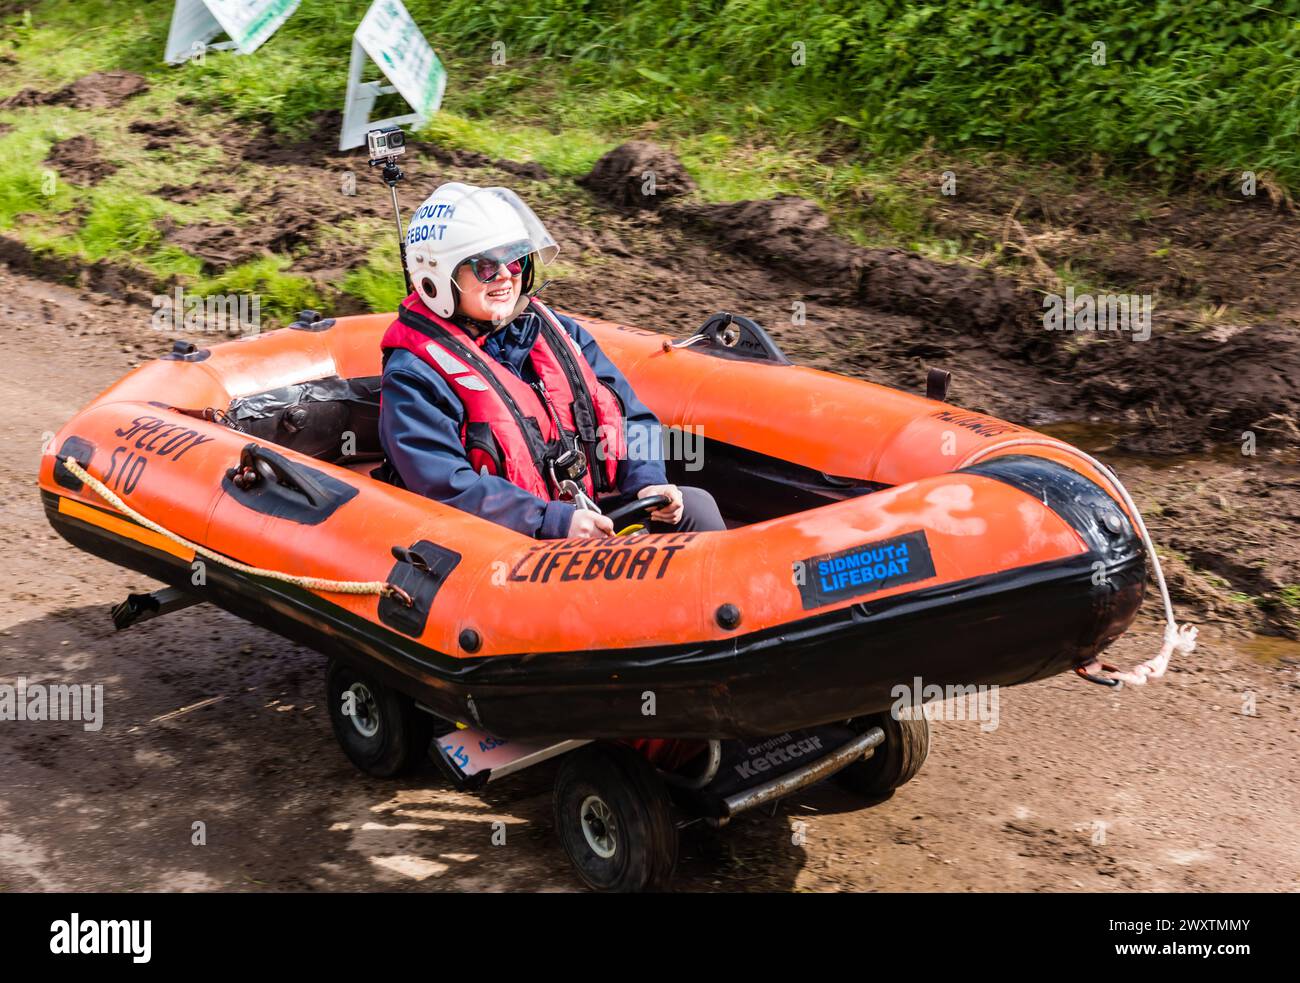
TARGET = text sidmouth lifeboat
(877,537)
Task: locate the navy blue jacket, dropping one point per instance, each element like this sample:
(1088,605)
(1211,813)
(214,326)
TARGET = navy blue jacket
(421,419)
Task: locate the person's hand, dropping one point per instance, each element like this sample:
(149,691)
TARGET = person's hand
(670,513)
(586,524)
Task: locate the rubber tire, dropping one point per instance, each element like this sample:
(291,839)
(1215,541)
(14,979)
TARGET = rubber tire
(646,848)
(404,734)
(893,763)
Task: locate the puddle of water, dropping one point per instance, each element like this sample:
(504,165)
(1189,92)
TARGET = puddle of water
(1273,650)
(1094,438)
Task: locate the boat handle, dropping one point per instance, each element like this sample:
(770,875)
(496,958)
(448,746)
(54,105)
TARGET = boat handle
(257,462)
(405,555)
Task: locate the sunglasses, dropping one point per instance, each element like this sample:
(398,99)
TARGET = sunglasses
(486,269)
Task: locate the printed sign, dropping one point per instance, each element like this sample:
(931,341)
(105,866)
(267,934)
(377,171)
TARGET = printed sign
(864,569)
(474,757)
(248,23)
(473,751)
(389,37)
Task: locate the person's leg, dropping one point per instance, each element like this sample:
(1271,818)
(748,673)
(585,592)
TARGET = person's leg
(699,513)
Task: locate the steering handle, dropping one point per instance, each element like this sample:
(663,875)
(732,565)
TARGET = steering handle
(641,508)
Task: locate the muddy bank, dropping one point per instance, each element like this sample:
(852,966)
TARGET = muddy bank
(1186,387)
(275,221)
(1209,247)
(101,278)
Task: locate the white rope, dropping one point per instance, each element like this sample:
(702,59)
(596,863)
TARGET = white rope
(311,583)
(1180,637)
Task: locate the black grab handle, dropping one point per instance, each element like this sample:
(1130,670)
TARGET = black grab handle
(268,482)
(735,336)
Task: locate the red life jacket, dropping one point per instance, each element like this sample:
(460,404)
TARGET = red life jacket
(509,427)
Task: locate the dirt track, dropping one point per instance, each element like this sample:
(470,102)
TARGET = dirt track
(1167,788)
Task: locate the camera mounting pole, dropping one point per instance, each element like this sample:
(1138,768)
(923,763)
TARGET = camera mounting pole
(391,175)
(379,140)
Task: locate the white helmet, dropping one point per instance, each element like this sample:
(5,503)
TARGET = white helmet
(460,221)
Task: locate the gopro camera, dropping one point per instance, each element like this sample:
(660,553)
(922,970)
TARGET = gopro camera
(385,144)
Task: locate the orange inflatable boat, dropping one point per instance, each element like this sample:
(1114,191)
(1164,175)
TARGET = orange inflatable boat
(875,537)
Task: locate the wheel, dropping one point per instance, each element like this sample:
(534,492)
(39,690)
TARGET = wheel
(893,763)
(615,819)
(380,730)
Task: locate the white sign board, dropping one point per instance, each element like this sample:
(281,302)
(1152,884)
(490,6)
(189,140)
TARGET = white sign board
(389,37)
(247,22)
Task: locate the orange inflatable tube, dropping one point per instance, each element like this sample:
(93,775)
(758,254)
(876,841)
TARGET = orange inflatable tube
(877,536)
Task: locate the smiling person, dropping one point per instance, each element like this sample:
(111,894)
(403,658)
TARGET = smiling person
(490,401)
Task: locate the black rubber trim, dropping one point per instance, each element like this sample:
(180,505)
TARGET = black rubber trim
(302,494)
(81,451)
(185,351)
(1080,501)
(421,572)
(1003,629)
(310,320)
(439,334)
(937,384)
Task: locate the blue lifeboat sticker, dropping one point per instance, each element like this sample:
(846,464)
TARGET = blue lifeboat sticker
(864,569)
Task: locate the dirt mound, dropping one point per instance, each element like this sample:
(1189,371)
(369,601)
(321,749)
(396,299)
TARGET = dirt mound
(963,298)
(1192,390)
(99,90)
(625,176)
(162,133)
(276,222)
(1185,387)
(104,90)
(24,98)
(265,145)
(784,231)
(78,161)
(523,169)
(794,234)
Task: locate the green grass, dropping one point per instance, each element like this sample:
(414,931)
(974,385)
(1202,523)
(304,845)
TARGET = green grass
(570,154)
(1186,89)
(282,294)
(379,282)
